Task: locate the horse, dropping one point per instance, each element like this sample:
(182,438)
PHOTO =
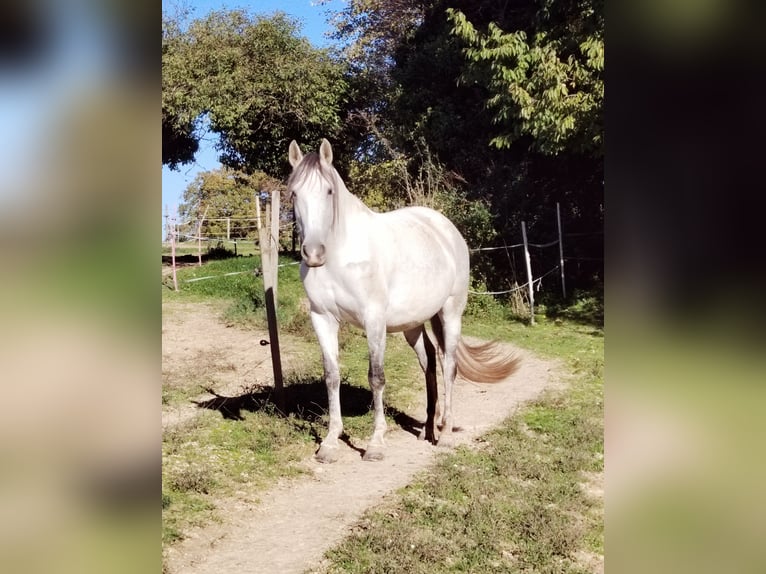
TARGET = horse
(384,272)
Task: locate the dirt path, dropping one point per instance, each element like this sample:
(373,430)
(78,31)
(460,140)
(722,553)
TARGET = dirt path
(198,351)
(297,521)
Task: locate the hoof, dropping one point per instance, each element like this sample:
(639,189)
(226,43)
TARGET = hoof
(327,454)
(373,454)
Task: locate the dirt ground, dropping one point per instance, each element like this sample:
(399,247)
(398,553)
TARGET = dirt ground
(296,521)
(192,335)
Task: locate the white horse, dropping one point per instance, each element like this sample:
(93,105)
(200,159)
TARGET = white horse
(384,272)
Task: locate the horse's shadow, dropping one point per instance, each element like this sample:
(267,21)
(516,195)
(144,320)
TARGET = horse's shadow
(305,402)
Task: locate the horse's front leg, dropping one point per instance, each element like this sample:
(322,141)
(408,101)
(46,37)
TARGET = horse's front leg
(376,340)
(326,328)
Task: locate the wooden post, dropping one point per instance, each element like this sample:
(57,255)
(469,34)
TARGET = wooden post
(269,269)
(529,274)
(166,237)
(263,241)
(173,251)
(199,242)
(228,229)
(274,244)
(199,238)
(561,252)
(258,223)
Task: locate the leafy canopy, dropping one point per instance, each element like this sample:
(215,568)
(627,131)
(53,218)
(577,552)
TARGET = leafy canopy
(223,193)
(505,98)
(540,86)
(257,84)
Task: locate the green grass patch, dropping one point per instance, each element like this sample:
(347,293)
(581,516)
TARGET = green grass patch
(213,457)
(518,503)
(242,444)
(175,395)
(211,249)
(221,284)
(238,282)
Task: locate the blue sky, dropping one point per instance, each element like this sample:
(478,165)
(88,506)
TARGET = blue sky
(313,16)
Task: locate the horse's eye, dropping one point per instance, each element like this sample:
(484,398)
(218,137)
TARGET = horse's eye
(329,191)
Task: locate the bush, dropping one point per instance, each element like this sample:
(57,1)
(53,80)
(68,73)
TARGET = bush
(219,251)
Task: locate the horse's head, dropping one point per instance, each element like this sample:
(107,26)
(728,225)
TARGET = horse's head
(314,190)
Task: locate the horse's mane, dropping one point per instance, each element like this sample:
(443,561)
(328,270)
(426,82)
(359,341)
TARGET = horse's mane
(311,165)
(308,165)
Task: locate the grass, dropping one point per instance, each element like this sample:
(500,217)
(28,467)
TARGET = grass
(237,282)
(214,457)
(241,444)
(189,248)
(219,286)
(518,502)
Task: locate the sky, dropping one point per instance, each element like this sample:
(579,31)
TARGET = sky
(313,16)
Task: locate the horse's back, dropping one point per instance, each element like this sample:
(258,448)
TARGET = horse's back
(425,262)
(421,227)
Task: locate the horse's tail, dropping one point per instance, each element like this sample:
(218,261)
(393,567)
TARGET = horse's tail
(486,362)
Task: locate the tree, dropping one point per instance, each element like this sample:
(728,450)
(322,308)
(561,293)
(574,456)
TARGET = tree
(548,87)
(225,193)
(179,110)
(257,84)
(449,98)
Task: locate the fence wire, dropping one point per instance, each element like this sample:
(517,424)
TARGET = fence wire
(536,282)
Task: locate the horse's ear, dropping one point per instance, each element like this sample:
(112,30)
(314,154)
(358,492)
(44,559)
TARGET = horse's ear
(295,155)
(325,152)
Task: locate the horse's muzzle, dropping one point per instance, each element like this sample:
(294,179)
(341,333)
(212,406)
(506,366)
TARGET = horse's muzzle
(313,255)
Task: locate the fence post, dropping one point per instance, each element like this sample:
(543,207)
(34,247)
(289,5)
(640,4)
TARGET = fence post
(199,243)
(269,260)
(199,238)
(529,274)
(274,244)
(561,252)
(228,229)
(258,223)
(173,251)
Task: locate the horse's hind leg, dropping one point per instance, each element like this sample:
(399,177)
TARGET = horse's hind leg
(448,323)
(376,340)
(424,349)
(326,328)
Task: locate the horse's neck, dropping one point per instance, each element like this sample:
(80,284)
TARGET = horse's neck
(354,215)
(354,204)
